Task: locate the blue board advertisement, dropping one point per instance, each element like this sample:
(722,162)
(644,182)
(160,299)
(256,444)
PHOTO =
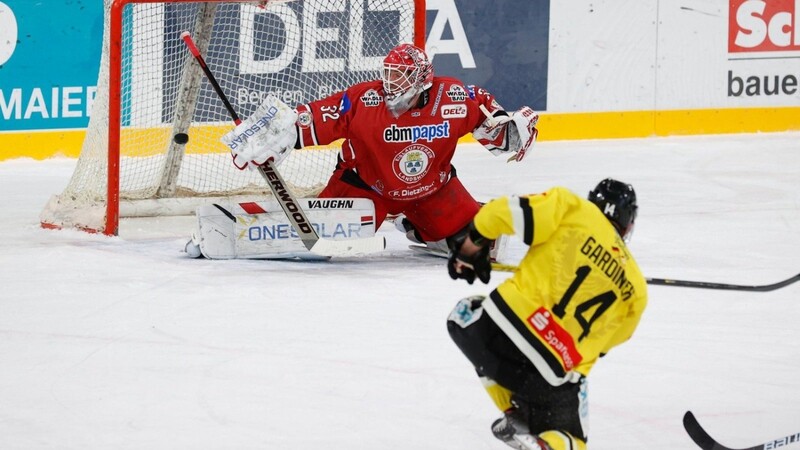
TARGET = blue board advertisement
(49,59)
(501,46)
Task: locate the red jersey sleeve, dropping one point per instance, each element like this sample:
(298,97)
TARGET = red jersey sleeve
(480,96)
(323,121)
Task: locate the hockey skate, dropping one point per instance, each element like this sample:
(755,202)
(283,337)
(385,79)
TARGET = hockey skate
(192,248)
(513,430)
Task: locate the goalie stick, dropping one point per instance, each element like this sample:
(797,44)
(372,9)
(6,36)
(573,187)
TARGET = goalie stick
(287,200)
(706,442)
(692,284)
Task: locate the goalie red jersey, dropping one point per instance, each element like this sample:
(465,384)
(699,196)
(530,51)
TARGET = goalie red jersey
(399,158)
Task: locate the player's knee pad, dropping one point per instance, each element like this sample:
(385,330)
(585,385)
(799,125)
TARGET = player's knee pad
(560,440)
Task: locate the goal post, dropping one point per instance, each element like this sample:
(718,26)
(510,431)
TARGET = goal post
(150,89)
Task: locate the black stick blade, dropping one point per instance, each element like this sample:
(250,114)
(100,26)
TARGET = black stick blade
(698,434)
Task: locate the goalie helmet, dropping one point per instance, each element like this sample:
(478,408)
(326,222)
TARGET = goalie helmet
(407,72)
(617,200)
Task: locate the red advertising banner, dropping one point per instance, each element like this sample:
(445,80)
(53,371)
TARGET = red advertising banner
(763,26)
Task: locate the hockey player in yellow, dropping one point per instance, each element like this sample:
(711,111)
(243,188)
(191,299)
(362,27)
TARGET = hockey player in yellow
(577,293)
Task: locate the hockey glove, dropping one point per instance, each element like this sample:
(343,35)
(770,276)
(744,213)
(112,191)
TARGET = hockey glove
(268,134)
(522,132)
(505,133)
(477,265)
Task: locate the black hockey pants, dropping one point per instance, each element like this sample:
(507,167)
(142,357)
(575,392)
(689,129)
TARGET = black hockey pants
(495,356)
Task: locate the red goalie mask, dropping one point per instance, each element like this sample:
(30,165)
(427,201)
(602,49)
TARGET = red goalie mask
(407,72)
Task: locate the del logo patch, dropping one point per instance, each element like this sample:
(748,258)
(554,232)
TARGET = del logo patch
(454,111)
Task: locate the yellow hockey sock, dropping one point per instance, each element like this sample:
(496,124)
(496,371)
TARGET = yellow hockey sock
(500,395)
(561,440)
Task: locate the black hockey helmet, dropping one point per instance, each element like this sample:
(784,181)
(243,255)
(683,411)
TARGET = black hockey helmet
(617,200)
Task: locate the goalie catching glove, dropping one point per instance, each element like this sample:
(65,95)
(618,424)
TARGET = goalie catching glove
(469,257)
(514,133)
(268,134)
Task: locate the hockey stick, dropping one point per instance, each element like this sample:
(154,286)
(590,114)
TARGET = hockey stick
(692,284)
(504,267)
(287,200)
(706,442)
(724,286)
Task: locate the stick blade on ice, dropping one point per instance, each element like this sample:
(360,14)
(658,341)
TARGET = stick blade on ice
(351,247)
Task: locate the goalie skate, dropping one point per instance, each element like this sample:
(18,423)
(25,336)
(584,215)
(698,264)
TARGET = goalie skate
(428,251)
(440,250)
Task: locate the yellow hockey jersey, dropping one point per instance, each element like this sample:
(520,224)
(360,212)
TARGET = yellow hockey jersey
(578,291)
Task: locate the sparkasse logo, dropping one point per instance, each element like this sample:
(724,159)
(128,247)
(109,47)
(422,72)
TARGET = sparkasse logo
(763,26)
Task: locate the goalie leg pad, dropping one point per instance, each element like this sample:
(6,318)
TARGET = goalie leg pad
(498,249)
(339,187)
(260,230)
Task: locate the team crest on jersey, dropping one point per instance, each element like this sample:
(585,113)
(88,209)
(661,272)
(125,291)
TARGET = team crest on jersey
(412,163)
(371,98)
(454,111)
(457,93)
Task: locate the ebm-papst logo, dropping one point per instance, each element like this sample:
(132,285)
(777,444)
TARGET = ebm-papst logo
(763,26)
(427,132)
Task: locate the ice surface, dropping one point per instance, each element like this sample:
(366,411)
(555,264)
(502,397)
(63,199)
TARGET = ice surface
(125,343)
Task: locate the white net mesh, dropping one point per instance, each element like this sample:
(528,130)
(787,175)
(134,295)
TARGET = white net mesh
(298,50)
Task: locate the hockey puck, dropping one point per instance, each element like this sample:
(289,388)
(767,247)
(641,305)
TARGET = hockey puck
(181,138)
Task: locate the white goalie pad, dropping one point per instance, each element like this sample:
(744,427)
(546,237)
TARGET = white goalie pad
(261,230)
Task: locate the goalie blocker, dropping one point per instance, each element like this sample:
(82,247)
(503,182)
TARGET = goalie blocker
(261,230)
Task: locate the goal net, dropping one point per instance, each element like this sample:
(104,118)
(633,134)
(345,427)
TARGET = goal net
(150,89)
